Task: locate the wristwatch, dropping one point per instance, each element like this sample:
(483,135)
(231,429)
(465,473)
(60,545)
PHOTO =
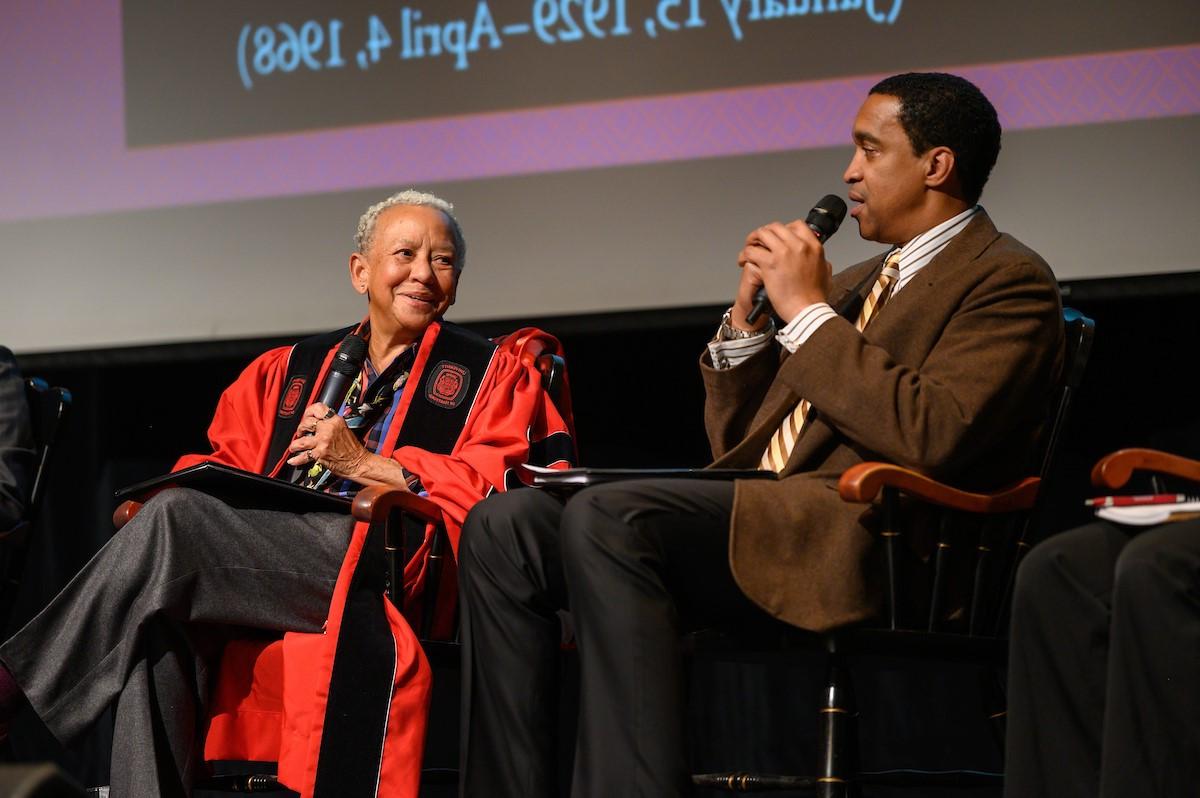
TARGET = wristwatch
(727,332)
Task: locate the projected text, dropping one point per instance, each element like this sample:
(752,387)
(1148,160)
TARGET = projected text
(414,33)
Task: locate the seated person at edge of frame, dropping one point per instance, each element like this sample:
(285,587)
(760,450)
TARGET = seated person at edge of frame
(1104,664)
(952,376)
(16,444)
(142,624)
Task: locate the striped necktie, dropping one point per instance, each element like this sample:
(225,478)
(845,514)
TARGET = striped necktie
(784,439)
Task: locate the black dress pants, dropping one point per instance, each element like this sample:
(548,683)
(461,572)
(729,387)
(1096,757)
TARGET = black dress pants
(637,563)
(1104,668)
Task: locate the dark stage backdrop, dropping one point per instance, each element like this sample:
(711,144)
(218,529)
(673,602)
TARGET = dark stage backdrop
(638,402)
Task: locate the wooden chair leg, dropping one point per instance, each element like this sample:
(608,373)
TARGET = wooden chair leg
(838,764)
(996,704)
(393,547)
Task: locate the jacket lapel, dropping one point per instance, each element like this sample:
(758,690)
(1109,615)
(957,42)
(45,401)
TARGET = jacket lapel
(900,319)
(851,302)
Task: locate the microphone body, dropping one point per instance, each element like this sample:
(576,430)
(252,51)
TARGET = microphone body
(824,220)
(346,364)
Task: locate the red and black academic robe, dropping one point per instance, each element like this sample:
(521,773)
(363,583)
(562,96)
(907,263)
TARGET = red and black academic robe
(344,711)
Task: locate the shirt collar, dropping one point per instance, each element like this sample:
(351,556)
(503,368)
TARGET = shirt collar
(936,238)
(923,248)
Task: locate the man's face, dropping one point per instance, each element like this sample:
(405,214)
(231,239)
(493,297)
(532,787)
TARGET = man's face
(410,272)
(885,177)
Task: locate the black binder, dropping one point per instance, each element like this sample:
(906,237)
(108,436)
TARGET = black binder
(242,489)
(573,479)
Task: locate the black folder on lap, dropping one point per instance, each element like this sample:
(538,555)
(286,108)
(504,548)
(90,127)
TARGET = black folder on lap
(242,489)
(572,479)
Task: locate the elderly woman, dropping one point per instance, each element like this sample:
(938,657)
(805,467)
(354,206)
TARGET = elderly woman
(433,409)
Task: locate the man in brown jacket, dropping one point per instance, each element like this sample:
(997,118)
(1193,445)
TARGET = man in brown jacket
(940,357)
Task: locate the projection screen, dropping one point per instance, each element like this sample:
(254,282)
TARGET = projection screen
(190,171)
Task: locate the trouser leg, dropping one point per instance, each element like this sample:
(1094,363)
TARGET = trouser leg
(644,561)
(1057,664)
(1152,710)
(159,720)
(511,587)
(186,559)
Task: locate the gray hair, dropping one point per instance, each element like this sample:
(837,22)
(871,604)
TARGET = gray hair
(366,224)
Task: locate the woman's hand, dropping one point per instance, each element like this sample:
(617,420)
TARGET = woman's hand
(324,438)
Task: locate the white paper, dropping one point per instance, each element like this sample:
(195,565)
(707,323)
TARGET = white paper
(1146,514)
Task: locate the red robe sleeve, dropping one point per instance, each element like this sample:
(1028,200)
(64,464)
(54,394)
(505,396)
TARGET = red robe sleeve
(240,431)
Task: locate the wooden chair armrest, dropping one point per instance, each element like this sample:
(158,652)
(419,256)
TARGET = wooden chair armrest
(125,513)
(376,502)
(528,343)
(1114,470)
(533,348)
(863,482)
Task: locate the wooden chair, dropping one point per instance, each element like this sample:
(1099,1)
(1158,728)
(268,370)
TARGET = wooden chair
(998,527)
(47,410)
(395,511)
(534,351)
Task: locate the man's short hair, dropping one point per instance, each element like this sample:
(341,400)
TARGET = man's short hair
(366,223)
(937,109)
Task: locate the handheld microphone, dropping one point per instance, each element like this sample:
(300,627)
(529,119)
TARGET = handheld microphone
(346,364)
(824,220)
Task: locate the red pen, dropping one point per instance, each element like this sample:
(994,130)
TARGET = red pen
(1131,501)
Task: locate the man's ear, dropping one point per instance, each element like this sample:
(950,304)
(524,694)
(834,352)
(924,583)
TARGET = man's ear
(360,271)
(939,167)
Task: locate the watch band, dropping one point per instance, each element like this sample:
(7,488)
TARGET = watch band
(727,332)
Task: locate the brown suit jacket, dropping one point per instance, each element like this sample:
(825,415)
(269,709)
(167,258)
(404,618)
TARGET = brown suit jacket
(953,378)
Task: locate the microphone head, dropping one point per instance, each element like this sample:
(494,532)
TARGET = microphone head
(350,356)
(826,216)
